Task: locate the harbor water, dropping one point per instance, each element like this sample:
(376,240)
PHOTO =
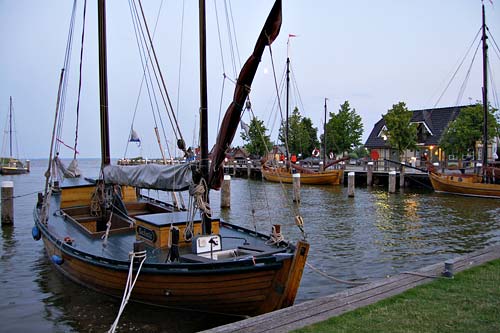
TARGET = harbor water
(362,238)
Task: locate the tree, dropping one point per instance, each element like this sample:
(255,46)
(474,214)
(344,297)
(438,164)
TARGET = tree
(258,143)
(463,132)
(401,133)
(343,130)
(302,136)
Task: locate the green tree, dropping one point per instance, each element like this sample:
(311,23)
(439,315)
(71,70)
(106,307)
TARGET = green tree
(401,133)
(343,130)
(257,142)
(462,133)
(359,152)
(302,136)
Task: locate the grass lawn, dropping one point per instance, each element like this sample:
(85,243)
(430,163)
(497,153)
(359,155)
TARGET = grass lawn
(470,302)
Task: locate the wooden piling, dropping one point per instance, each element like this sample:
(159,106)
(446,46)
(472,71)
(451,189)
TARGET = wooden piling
(7,194)
(369,174)
(249,169)
(392,181)
(225,193)
(402,177)
(296,187)
(350,184)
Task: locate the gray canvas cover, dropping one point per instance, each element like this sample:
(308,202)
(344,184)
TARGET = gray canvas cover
(150,176)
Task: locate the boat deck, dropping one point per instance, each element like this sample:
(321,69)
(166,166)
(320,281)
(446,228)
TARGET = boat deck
(151,223)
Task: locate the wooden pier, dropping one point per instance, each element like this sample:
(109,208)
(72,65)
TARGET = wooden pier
(320,309)
(380,175)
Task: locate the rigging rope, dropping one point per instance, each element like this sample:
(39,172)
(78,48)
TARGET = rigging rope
(464,84)
(80,80)
(458,68)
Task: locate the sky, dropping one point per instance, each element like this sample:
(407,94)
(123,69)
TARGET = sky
(373,54)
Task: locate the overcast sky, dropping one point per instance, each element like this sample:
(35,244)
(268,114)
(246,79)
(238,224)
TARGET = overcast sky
(372,53)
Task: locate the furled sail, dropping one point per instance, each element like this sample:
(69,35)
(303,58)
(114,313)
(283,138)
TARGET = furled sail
(150,176)
(232,117)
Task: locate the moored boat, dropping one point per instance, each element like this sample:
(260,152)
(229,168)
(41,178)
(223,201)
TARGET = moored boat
(483,184)
(105,234)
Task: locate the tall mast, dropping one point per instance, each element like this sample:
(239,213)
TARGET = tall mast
(103,83)
(324,138)
(485,94)
(287,104)
(10,127)
(203,107)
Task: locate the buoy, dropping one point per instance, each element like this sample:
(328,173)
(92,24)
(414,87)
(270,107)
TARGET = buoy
(57,259)
(35,232)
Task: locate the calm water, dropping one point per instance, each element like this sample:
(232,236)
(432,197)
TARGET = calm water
(367,237)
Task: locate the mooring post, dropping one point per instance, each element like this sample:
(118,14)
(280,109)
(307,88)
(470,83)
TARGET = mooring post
(369,174)
(402,177)
(225,193)
(392,181)
(7,202)
(448,268)
(28,165)
(296,187)
(350,184)
(249,168)
(234,168)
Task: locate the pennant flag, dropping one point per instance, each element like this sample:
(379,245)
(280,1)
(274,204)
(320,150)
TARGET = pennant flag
(245,127)
(291,35)
(134,137)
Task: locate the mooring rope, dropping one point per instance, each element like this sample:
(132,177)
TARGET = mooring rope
(320,272)
(129,285)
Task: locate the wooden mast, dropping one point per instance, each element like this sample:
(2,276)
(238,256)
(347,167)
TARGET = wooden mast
(103,84)
(485,95)
(287,105)
(207,226)
(10,127)
(324,139)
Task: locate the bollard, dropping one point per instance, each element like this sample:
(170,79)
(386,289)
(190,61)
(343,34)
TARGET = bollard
(392,181)
(225,193)
(402,177)
(350,184)
(296,187)
(369,174)
(7,203)
(448,268)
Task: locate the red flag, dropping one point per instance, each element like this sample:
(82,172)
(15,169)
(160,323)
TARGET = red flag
(291,35)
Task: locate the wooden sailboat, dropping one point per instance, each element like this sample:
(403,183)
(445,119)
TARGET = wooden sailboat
(480,185)
(11,165)
(284,174)
(100,233)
